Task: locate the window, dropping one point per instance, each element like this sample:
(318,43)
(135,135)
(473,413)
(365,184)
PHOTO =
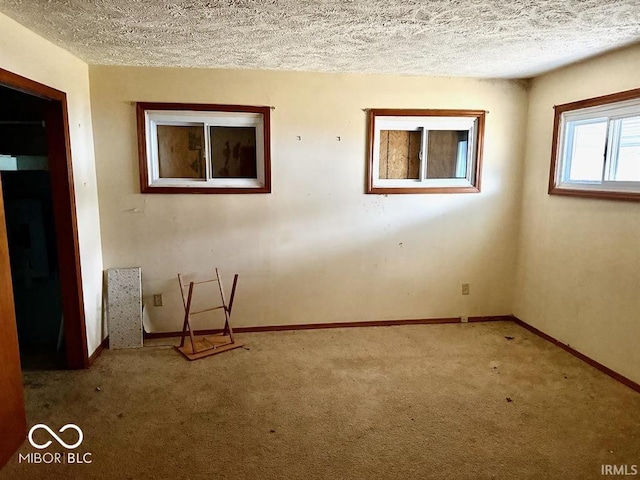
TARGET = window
(425,151)
(187,148)
(596,147)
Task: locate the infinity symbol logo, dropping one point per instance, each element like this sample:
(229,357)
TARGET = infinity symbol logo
(52,433)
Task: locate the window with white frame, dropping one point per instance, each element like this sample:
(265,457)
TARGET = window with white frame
(597,147)
(194,148)
(425,151)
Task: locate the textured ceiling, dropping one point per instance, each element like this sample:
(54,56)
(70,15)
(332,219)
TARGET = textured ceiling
(478,38)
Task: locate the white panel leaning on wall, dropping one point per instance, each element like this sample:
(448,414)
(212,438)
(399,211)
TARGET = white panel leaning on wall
(124,307)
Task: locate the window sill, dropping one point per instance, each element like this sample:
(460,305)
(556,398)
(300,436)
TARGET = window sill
(421,190)
(204,190)
(593,193)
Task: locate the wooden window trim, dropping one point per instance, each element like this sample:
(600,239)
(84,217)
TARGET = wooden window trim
(379,112)
(146,187)
(554,187)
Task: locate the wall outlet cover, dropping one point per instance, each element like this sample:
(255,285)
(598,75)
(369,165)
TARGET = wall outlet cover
(157,300)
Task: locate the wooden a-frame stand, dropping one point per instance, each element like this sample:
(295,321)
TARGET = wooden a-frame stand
(205,345)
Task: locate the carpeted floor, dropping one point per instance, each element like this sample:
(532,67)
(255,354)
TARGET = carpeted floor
(456,401)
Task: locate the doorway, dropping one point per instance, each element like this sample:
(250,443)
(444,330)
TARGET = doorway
(31,235)
(40,212)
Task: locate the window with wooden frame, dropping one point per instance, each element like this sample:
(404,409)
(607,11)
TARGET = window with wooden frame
(196,148)
(596,147)
(425,151)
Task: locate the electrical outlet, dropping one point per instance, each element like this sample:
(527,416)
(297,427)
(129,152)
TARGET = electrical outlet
(157,299)
(465,289)
(464,319)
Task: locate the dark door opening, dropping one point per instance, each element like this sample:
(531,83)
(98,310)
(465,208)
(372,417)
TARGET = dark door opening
(31,234)
(52,106)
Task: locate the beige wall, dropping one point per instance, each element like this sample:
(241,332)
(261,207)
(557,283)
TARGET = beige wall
(317,249)
(25,53)
(579,259)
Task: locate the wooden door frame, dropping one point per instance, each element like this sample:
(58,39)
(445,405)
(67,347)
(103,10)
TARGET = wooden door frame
(64,212)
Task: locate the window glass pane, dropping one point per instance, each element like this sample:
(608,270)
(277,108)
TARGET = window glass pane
(585,143)
(233,152)
(447,153)
(400,154)
(626,157)
(181,151)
